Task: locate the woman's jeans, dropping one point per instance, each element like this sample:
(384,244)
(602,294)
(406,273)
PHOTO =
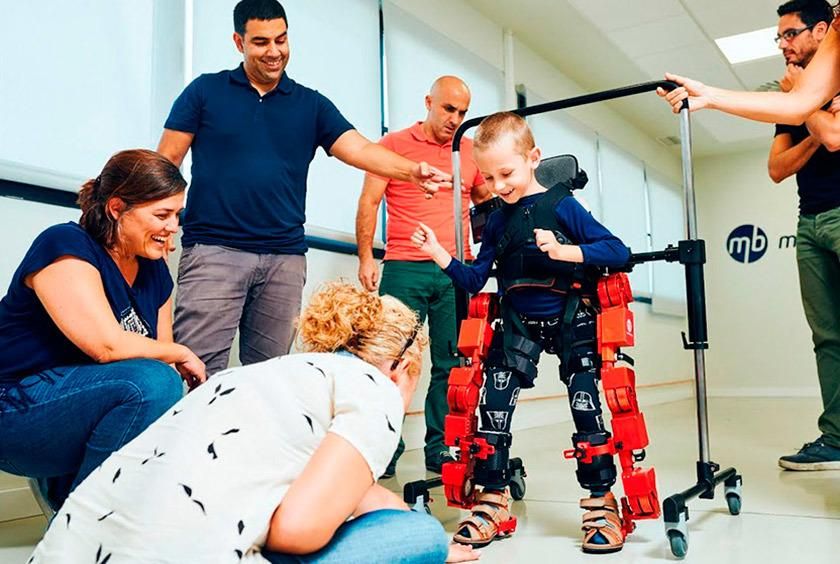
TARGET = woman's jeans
(59,425)
(387,536)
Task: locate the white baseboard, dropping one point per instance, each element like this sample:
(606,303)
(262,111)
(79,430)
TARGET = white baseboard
(762,392)
(17,503)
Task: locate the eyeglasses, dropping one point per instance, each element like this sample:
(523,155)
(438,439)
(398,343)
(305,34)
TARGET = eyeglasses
(791,34)
(407,344)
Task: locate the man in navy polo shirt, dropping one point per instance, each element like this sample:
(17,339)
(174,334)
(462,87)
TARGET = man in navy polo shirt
(253,132)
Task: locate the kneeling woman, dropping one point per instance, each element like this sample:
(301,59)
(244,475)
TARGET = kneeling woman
(86,328)
(270,460)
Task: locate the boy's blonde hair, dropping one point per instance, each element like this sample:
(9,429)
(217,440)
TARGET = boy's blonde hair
(342,316)
(494,127)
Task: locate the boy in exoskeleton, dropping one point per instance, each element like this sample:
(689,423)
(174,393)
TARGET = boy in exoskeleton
(547,248)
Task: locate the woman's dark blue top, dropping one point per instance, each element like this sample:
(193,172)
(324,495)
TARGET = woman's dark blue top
(30,341)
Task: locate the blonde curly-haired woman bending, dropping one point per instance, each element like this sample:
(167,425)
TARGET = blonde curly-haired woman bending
(274,461)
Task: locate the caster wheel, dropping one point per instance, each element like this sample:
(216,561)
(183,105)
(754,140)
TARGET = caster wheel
(517,488)
(517,478)
(734,503)
(679,544)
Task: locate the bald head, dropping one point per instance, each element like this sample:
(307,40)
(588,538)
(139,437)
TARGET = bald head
(449,86)
(447,103)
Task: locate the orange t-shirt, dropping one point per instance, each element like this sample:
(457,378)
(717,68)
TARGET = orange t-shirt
(406,205)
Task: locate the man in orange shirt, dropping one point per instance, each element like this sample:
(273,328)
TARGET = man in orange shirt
(408,274)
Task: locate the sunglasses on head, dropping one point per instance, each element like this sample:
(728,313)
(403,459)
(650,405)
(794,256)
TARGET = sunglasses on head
(407,344)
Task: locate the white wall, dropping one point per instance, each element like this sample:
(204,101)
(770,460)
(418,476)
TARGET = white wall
(760,342)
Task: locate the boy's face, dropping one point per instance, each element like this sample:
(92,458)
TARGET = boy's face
(507,172)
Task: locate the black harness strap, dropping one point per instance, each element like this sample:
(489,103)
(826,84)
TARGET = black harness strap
(573,280)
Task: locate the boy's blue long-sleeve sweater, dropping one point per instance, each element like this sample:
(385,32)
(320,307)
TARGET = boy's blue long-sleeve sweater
(599,247)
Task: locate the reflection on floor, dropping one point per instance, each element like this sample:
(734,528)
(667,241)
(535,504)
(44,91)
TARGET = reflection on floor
(787,516)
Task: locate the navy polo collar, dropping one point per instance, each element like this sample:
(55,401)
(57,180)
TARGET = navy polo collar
(284,86)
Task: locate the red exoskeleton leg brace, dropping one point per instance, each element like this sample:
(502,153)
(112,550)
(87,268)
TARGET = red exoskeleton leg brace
(461,424)
(465,382)
(616,329)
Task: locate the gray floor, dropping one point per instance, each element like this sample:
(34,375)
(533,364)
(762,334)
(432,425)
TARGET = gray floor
(787,517)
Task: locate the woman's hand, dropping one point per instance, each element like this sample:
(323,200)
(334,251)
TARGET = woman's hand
(462,553)
(191,369)
(697,93)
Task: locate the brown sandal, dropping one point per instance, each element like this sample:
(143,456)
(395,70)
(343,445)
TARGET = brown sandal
(601,518)
(490,519)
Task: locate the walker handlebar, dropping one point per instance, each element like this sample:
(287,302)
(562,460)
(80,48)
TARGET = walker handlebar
(571,103)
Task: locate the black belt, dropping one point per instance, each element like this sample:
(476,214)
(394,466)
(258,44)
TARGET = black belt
(542,322)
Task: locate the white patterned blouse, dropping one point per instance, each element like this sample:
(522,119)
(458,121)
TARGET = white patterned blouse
(202,482)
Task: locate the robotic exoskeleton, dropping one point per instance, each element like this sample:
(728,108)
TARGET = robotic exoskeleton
(588,339)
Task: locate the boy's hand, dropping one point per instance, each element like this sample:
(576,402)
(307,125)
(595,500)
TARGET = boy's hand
(835,106)
(547,242)
(369,274)
(425,240)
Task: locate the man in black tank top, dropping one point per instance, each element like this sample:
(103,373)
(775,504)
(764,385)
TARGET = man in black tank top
(809,151)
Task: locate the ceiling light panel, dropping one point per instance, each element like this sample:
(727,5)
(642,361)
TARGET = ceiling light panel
(750,46)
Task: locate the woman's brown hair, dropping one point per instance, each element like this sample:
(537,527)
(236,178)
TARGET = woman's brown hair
(374,328)
(135,176)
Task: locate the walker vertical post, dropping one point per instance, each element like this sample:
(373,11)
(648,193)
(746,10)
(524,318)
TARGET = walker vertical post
(692,254)
(457,203)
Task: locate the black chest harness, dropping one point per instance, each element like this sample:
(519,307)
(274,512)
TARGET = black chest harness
(520,265)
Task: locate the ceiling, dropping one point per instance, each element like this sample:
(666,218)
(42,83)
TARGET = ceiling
(603,44)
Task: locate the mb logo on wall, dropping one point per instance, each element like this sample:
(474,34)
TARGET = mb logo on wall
(748,243)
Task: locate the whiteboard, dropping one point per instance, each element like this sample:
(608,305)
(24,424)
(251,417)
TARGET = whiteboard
(667,227)
(81,81)
(625,205)
(416,55)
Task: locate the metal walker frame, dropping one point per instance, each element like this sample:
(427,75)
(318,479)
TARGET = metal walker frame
(691,253)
